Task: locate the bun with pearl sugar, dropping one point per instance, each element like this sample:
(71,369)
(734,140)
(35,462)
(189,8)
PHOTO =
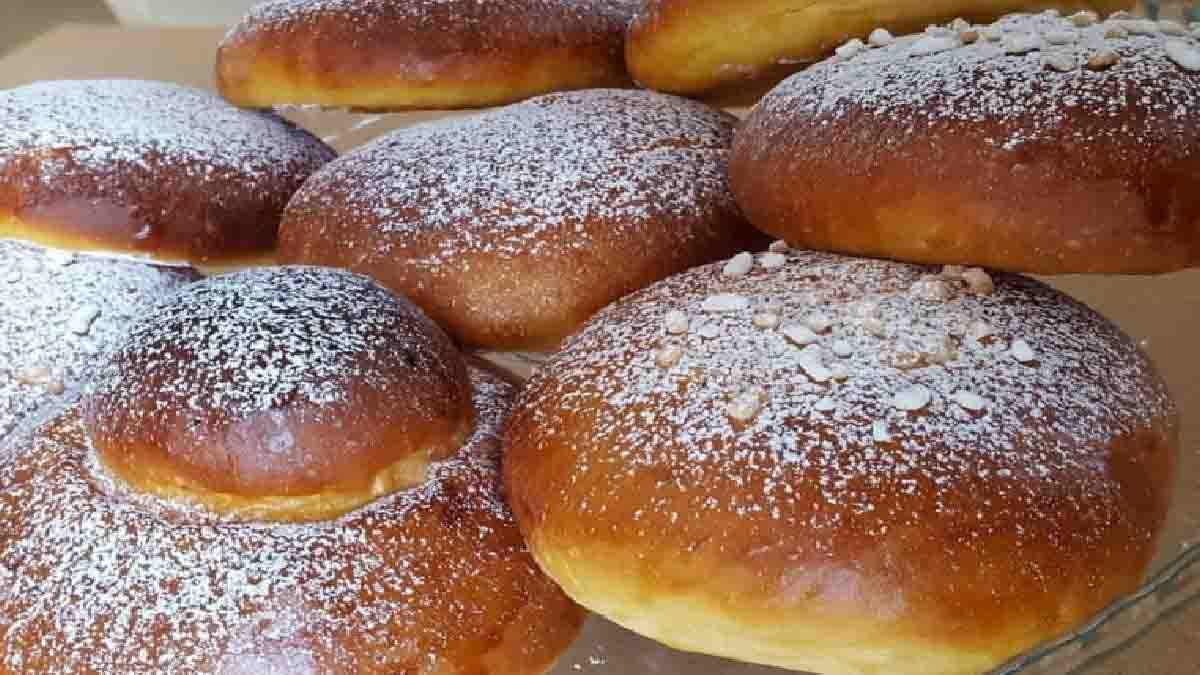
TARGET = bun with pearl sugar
(845,465)
(1041,143)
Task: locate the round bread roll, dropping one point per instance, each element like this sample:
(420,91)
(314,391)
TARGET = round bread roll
(148,169)
(845,466)
(697,46)
(1041,143)
(105,576)
(62,313)
(512,227)
(281,393)
(386,55)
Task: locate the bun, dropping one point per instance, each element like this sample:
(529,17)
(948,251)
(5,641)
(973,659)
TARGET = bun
(384,55)
(1012,152)
(845,465)
(683,46)
(280,393)
(62,314)
(512,227)
(107,579)
(151,169)
(303,381)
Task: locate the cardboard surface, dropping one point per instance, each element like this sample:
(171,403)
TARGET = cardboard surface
(1162,312)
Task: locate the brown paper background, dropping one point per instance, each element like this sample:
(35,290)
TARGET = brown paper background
(1162,312)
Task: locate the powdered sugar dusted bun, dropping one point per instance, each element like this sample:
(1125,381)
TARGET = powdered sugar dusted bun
(1041,143)
(421,54)
(151,169)
(679,45)
(61,314)
(104,579)
(512,227)
(286,393)
(844,465)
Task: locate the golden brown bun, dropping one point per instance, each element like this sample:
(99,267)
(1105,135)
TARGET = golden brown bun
(511,228)
(697,46)
(62,313)
(1035,162)
(946,474)
(108,581)
(387,55)
(151,169)
(287,393)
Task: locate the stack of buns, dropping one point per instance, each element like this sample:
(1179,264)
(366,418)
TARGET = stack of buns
(275,470)
(859,465)
(869,446)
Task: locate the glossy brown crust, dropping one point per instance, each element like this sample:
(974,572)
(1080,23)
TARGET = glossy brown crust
(512,228)
(199,182)
(230,393)
(1101,186)
(691,47)
(383,55)
(434,580)
(810,543)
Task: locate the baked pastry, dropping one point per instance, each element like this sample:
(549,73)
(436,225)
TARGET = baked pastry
(845,466)
(696,46)
(62,313)
(386,55)
(147,169)
(1041,143)
(104,576)
(512,227)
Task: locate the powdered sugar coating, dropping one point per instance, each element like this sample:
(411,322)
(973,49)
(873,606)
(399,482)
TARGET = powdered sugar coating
(310,328)
(107,125)
(42,292)
(252,362)
(100,580)
(570,166)
(1007,83)
(1047,423)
